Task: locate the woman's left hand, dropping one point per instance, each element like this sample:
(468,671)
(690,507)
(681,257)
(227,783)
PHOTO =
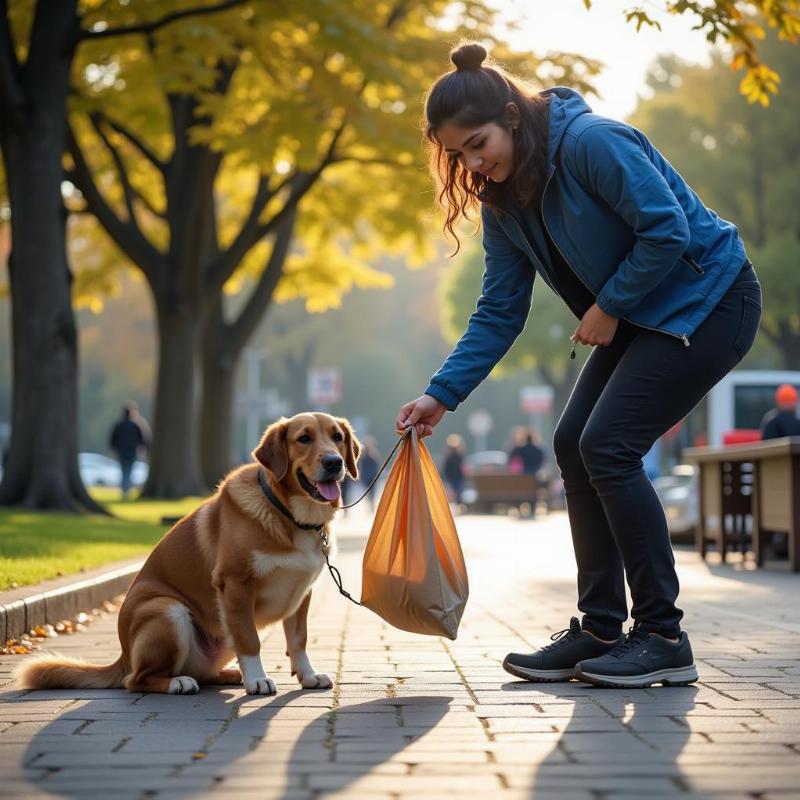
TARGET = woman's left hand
(596,327)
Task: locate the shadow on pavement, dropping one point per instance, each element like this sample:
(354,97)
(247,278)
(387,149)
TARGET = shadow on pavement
(183,745)
(616,740)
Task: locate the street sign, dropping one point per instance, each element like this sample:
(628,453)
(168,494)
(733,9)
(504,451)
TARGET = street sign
(480,422)
(536,399)
(324,385)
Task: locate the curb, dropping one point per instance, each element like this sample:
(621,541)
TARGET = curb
(41,607)
(19,612)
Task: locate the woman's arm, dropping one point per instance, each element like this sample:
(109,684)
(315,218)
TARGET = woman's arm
(611,162)
(498,319)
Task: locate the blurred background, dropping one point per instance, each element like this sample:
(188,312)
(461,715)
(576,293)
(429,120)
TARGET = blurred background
(247,228)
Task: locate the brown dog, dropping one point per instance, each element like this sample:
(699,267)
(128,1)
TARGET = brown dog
(233,566)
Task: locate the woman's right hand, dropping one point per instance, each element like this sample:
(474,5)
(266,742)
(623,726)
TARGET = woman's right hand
(423,413)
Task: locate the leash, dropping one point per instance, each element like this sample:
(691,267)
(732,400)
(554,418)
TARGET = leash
(320,529)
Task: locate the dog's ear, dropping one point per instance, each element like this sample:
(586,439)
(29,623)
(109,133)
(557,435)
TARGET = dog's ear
(352,446)
(272,450)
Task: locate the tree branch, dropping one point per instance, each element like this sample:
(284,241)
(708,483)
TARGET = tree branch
(147,204)
(12,98)
(120,167)
(126,236)
(138,144)
(245,324)
(150,27)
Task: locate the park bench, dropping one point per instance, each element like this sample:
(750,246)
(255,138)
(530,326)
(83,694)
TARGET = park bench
(747,492)
(503,488)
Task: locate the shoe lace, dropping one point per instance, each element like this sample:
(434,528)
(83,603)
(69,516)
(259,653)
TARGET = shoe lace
(633,638)
(559,638)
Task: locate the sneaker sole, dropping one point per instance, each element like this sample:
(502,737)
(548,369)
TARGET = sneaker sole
(539,675)
(676,676)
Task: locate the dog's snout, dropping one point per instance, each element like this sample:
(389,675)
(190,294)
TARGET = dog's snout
(332,463)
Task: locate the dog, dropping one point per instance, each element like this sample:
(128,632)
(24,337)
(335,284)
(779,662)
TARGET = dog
(227,570)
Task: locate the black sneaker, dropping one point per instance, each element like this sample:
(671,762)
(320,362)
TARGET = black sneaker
(639,661)
(556,662)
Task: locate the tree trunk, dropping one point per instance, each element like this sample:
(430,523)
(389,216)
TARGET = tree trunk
(223,343)
(42,469)
(216,407)
(173,456)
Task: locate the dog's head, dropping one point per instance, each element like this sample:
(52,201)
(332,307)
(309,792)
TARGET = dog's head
(308,454)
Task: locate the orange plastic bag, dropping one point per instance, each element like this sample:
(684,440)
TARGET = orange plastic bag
(413,573)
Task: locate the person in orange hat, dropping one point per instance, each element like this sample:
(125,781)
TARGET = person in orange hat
(782,420)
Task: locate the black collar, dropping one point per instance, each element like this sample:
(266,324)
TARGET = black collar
(281,507)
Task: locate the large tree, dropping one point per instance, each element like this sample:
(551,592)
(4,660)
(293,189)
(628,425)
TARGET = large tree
(35,68)
(313,125)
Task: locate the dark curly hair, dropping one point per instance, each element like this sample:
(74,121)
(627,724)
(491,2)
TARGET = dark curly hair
(470,95)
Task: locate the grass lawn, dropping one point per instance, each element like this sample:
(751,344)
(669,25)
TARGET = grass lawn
(35,546)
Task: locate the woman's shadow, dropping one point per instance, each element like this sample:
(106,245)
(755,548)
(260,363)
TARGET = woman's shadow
(184,745)
(615,740)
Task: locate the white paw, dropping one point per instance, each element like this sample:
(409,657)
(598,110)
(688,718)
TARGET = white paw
(315,680)
(260,686)
(183,684)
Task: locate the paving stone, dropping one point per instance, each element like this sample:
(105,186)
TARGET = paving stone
(425,717)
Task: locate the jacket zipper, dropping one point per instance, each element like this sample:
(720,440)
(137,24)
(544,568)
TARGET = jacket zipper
(694,265)
(682,336)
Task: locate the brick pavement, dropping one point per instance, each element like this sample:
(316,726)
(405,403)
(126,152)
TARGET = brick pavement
(425,717)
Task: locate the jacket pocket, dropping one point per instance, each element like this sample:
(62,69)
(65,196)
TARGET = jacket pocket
(693,265)
(748,326)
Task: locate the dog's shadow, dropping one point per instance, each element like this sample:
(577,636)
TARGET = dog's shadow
(125,746)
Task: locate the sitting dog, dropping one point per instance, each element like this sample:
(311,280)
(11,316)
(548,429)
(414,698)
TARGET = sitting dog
(246,558)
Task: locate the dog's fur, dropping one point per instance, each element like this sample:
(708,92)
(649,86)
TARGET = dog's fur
(222,573)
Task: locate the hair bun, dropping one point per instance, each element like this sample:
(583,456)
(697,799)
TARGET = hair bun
(468,56)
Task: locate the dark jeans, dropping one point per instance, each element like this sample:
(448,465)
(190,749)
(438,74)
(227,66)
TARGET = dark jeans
(628,394)
(126,466)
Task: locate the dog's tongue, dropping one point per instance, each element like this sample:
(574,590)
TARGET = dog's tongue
(329,489)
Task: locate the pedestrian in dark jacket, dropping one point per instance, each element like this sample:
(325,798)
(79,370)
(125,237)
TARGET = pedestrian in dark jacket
(128,435)
(665,296)
(368,467)
(453,465)
(782,420)
(526,453)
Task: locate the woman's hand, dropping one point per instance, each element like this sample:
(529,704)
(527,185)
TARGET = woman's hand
(596,327)
(423,413)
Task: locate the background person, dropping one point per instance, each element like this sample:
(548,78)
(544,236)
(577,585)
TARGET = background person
(128,435)
(453,465)
(663,291)
(782,420)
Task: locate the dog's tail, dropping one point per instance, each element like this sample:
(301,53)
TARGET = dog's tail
(54,671)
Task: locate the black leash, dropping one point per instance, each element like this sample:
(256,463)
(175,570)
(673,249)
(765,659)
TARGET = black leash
(320,529)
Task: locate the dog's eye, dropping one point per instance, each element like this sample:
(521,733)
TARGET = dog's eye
(337,437)
(304,439)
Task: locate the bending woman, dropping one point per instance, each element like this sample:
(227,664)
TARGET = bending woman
(665,295)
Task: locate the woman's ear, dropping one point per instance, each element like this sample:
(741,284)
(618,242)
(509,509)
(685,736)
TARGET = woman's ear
(512,115)
(271,452)
(352,448)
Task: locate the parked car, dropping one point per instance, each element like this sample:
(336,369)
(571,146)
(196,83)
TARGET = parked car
(485,462)
(678,493)
(100,470)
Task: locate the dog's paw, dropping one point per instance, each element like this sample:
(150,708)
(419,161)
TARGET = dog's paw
(183,684)
(261,686)
(315,680)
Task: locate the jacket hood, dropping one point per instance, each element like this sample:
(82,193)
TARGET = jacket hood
(565,105)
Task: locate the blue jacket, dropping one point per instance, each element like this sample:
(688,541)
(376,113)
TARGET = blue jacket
(626,222)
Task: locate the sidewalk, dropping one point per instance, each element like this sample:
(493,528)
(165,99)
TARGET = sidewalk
(425,717)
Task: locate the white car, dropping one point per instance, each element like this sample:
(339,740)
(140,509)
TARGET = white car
(678,493)
(100,470)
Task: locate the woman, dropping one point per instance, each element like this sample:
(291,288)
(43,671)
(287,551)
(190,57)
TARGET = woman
(665,295)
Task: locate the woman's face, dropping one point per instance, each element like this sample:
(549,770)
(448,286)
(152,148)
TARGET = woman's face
(487,149)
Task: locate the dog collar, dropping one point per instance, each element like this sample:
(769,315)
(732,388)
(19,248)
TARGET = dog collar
(271,496)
